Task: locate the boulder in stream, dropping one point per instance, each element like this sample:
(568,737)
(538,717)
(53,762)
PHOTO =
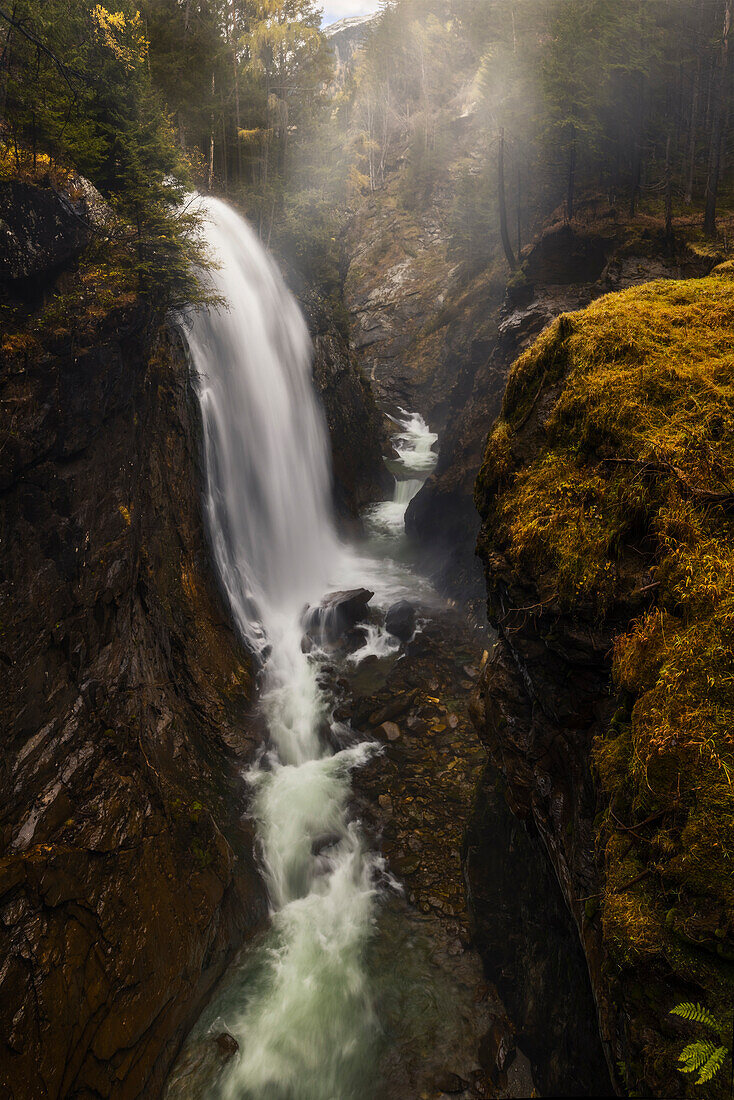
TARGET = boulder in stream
(337,614)
(226,1045)
(400,620)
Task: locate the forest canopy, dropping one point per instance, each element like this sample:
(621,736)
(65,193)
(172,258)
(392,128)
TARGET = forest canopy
(516,108)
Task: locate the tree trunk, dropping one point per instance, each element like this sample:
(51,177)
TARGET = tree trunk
(236,74)
(5,66)
(692,135)
(717,127)
(571,188)
(225,164)
(637,156)
(519,213)
(210,174)
(502,204)
(668,195)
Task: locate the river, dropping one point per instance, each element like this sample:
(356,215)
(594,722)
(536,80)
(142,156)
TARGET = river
(302,1003)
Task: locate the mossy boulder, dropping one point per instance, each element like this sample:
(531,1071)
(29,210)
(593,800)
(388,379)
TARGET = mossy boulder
(607,504)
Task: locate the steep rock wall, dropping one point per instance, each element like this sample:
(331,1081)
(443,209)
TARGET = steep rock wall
(127,875)
(599,495)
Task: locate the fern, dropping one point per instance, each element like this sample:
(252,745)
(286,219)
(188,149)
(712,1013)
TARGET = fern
(703,1056)
(713,1065)
(696,1014)
(696,1055)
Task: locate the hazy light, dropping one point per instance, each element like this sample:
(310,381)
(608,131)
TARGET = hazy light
(340,9)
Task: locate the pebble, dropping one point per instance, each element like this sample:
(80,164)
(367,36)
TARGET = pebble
(390,730)
(385,802)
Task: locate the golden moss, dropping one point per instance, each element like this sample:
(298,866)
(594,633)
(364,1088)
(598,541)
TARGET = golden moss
(630,490)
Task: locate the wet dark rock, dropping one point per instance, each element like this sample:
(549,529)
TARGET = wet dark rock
(390,731)
(320,844)
(41,230)
(227,1045)
(497,1049)
(400,620)
(392,709)
(567,253)
(338,613)
(127,874)
(354,423)
(450,1083)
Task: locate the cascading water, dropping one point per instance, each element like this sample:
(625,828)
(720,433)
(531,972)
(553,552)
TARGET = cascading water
(415,461)
(305,1024)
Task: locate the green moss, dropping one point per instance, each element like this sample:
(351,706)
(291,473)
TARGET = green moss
(611,471)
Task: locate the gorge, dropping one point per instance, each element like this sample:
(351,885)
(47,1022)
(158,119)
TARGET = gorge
(366,550)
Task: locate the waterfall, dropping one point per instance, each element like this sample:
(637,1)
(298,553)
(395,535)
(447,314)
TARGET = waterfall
(266,448)
(415,460)
(305,1023)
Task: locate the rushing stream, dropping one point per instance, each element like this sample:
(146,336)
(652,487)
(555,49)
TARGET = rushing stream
(302,1012)
(415,459)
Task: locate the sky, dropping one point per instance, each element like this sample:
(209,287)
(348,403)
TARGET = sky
(338,9)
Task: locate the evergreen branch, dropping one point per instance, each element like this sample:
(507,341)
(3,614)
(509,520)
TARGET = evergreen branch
(65,70)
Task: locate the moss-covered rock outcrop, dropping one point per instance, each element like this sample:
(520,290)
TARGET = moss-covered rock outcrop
(607,538)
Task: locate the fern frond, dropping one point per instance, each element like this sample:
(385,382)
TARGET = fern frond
(696,1055)
(712,1066)
(697,1014)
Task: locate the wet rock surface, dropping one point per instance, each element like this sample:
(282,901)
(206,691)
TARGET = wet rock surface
(338,613)
(400,620)
(354,423)
(416,799)
(126,875)
(41,229)
(530,948)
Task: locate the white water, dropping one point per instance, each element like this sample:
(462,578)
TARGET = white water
(416,459)
(305,1027)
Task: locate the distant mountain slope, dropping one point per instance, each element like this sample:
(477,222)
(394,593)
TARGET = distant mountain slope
(347,35)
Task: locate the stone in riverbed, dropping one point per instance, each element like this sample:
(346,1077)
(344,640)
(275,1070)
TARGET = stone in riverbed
(227,1045)
(450,1083)
(400,620)
(338,613)
(391,731)
(393,709)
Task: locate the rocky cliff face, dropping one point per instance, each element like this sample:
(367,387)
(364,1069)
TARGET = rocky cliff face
(127,876)
(354,422)
(563,270)
(603,686)
(346,36)
(418,329)
(127,873)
